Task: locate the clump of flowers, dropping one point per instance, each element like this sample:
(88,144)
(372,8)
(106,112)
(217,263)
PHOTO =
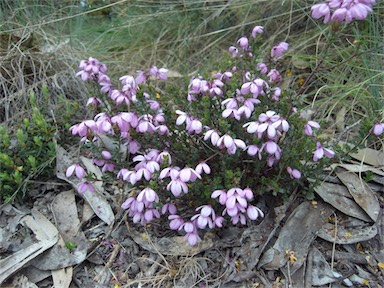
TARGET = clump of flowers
(200,157)
(342,10)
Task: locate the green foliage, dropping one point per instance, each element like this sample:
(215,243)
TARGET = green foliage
(27,151)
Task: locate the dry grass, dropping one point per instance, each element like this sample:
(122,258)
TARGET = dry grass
(30,59)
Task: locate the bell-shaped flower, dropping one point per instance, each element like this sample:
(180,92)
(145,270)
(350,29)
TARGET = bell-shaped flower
(202,166)
(378,129)
(213,135)
(320,152)
(77,169)
(278,50)
(148,194)
(254,212)
(257,30)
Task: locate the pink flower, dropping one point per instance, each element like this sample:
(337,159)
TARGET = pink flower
(202,166)
(321,10)
(294,173)
(243,43)
(263,68)
(308,127)
(378,129)
(188,174)
(257,30)
(84,187)
(221,194)
(169,207)
(274,76)
(79,171)
(234,51)
(93,102)
(83,128)
(254,212)
(158,73)
(148,194)
(176,222)
(213,135)
(206,217)
(320,152)
(279,50)
(177,187)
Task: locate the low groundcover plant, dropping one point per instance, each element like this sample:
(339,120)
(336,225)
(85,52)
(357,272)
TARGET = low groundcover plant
(201,155)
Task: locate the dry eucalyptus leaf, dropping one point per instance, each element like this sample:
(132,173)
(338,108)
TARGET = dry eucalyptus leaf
(340,198)
(348,235)
(46,236)
(360,191)
(72,248)
(62,277)
(359,168)
(95,199)
(296,235)
(321,271)
(370,156)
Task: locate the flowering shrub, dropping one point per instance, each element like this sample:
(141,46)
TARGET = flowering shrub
(203,153)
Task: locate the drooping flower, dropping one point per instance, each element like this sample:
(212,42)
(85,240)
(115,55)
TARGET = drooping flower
(257,30)
(378,129)
(77,169)
(278,50)
(294,173)
(320,152)
(243,43)
(159,73)
(308,127)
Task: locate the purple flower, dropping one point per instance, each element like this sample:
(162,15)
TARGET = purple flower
(274,76)
(91,68)
(308,127)
(141,77)
(177,186)
(191,235)
(202,166)
(222,194)
(279,50)
(206,217)
(158,73)
(94,102)
(176,222)
(188,174)
(79,171)
(320,152)
(263,68)
(85,186)
(321,10)
(254,212)
(83,128)
(378,129)
(257,30)
(170,208)
(243,43)
(234,51)
(294,173)
(213,135)
(230,144)
(148,194)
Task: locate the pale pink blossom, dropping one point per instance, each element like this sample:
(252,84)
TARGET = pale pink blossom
(257,30)
(320,152)
(77,169)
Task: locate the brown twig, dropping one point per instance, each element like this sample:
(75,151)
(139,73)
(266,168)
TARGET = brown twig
(108,265)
